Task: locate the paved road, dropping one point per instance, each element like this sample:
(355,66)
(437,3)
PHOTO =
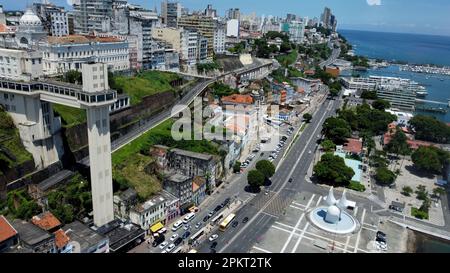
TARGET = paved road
(263,209)
(334,55)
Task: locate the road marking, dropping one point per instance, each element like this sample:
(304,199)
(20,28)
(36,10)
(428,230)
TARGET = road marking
(292,206)
(356,211)
(346,244)
(283,185)
(296,225)
(359,232)
(268,214)
(318,201)
(300,238)
(298,204)
(261,249)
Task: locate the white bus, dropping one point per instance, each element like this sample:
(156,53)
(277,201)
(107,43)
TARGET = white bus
(197,235)
(216,219)
(188,217)
(178,224)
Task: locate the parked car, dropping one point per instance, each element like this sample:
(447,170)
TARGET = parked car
(290,180)
(235,224)
(178,241)
(213,245)
(158,240)
(162,231)
(187,227)
(170,247)
(206,218)
(173,237)
(213,237)
(245,220)
(163,245)
(198,225)
(186,234)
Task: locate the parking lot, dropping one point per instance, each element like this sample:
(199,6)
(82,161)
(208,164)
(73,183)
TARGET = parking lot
(294,233)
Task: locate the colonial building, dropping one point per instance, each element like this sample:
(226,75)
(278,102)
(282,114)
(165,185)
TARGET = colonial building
(62,54)
(180,186)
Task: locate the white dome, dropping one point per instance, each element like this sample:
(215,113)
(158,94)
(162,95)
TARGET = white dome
(30,19)
(333,211)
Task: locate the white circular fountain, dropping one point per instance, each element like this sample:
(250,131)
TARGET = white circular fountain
(333,218)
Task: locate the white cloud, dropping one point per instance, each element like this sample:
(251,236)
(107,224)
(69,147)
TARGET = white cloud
(374,2)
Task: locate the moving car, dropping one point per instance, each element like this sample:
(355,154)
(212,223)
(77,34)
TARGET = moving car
(177,225)
(213,245)
(235,224)
(245,220)
(213,237)
(290,180)
(158,240)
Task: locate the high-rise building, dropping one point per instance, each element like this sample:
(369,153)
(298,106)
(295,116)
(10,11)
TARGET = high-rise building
(296,31)
(210,12)
(233,28)
(2,16)
(53,18)
(93,16)
(220,32)
(326,17)
(170,13)
(233,14)
(328,20)
(204,25)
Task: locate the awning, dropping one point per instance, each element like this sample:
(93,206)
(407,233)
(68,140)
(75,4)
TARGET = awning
(156,227)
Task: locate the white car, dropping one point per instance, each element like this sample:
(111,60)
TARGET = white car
(170,248)
(164,251)
(162,231)
(198,225)
(186,227)
(173,237)
(213,237)
(163,245)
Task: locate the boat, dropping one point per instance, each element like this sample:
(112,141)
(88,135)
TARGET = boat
(421,94)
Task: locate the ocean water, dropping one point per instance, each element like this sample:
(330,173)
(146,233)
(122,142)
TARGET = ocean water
(408,47)
(412,48)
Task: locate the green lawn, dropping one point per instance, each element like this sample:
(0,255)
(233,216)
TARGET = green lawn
(144,84)
(288,59)
(11,143)
(132,173)
(70,116)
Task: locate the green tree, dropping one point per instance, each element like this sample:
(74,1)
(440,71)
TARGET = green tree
(307,117)
(255,179)
(369,95)
(398,144)
(337,130)
(328,145)
(430,129)
(73,76)
(381,104)
(332,169)
(237,166)
(429,159)
(437,192)
(266,168)
(384,176)
(407,191)
(422,193)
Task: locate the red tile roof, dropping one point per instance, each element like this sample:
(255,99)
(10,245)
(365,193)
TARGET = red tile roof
(46,221)
(238,99)
(197,183)
(6,229)
(353,146)
(61,238)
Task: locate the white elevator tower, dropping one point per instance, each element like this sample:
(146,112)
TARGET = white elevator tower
(95,81)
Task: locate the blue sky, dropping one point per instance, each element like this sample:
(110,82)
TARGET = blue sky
(411,16)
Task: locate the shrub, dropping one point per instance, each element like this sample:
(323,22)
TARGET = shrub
(356,186)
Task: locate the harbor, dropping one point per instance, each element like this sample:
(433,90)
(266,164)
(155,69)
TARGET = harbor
(427,69)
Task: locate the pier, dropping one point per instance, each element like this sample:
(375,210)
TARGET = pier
(443,108)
